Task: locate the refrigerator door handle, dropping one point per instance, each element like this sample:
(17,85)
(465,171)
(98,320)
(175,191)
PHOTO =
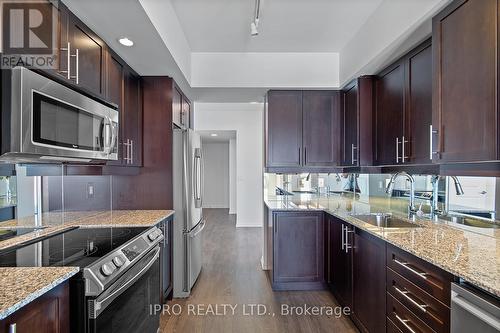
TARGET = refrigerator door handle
(193,233)
(198,177)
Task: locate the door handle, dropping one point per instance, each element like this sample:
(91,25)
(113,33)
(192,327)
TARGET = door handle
(397,150)
(406,294)
(353,159)
(405,323)
(68,60)
(131,151)
(431,145)
(403,154)
(77,66)
(305,155)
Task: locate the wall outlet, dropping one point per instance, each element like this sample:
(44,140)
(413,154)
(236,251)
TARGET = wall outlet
(90,190)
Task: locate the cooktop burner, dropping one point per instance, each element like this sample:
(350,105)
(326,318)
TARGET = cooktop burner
(78,247)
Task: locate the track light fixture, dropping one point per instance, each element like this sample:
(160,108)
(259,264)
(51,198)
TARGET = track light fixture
(254,26)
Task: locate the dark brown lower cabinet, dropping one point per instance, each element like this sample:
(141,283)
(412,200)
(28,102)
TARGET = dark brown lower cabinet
(166,259)
(297,251)
(368,265)
(47,314)
(340,262)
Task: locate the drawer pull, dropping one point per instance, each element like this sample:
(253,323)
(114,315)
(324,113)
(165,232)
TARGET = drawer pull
(407,266)
(405,323)
(406,294)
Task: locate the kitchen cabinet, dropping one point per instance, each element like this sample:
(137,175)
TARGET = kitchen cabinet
(368,281)
(340,261)
(320,111)
(297,251)
(166,259)
(302,129)
(123,89)
(181,109)
(46,314)
(81,54)
(465,103)
(403,109)
(356,123)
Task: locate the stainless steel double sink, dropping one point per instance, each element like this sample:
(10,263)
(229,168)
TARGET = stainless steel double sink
(384,220)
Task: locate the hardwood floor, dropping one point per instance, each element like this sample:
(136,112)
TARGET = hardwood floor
(232,274)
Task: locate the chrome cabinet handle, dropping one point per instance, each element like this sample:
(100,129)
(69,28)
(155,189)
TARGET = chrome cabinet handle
(353,159)
(405,323)
(406,294)
(131,151)
(397,150)
(431,136)
(77,66)
(403,154)
(407,267)
(13,328)
(68,59)
(347,232)
(305,155)
(343,238)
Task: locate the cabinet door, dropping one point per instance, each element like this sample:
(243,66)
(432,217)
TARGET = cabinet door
(177,107)
(132,119)
(419,104)
(465,81)
(369,281)
(114,94)
(340,264)
(389,115)
(87,67)
(298,247)
(350,144)
(284,129)
(321,128)
(46,314)
(186,113)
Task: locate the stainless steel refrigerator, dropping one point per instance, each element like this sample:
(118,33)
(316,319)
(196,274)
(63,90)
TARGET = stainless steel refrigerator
(188,221)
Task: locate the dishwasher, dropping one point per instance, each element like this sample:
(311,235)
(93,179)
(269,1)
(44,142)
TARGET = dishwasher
(473,310)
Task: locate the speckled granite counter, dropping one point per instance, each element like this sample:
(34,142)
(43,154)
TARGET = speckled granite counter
(55,222)
(473,255)
(21,286)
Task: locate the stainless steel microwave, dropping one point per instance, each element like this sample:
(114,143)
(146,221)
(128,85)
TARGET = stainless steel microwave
(45,121)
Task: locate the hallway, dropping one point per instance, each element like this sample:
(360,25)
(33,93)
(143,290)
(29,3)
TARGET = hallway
(232,275)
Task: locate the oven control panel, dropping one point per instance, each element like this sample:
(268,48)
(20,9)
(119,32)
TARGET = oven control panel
(111,266)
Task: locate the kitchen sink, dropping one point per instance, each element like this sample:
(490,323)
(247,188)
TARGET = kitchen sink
(385,220)
(469,221)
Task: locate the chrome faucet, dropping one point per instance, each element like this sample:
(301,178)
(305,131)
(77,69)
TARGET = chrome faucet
(435,211)
(411,207)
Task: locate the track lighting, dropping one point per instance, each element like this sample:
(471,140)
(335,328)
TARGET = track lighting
(254,26)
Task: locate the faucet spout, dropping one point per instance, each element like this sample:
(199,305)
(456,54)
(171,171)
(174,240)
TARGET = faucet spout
(411,207)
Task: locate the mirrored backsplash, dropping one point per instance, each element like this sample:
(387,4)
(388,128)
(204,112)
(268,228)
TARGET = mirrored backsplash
(476,196)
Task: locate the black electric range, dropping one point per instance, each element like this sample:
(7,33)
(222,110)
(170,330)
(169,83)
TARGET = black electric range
(78,247)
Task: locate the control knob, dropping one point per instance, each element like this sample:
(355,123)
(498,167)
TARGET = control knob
(118,261)
(107,268)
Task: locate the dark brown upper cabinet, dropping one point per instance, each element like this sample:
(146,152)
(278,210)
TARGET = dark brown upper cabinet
(81,54)
(181,109)
(356,123)
(403,109)
(465,101)
(302,129)
(123,89)
(320,111)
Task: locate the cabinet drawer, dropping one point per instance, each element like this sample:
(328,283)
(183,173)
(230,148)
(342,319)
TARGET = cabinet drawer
(431,311)
(428,277)
(403,318)
(391,327)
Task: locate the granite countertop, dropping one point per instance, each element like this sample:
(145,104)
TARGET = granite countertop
(20,286)
(469,253)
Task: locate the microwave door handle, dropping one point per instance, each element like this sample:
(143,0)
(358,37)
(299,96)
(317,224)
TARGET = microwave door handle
(114,135)
(107,134)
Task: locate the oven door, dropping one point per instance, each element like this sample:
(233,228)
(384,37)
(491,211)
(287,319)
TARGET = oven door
(126,306)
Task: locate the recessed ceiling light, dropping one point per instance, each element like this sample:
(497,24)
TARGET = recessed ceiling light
(125,41)
(214,134)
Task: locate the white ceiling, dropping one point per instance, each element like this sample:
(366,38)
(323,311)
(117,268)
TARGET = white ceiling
(285,25)
(222,136)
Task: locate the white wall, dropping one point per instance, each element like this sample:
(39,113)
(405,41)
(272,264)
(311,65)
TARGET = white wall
(247,120)
(232,176)
(216,169)
(232,69)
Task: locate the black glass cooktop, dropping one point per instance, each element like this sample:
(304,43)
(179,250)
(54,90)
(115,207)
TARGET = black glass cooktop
(78,247)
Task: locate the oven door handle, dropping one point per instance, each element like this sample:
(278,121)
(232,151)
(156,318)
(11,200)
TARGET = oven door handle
(97,306)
